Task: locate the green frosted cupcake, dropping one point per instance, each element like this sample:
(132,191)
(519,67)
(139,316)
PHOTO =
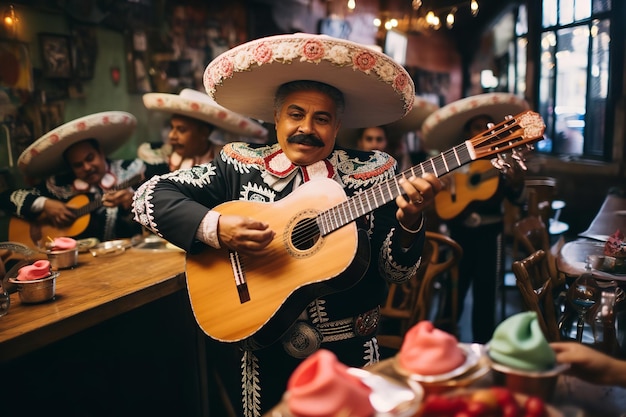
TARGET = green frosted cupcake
(519,343)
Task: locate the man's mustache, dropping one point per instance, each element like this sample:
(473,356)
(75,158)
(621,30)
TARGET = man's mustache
(311,140)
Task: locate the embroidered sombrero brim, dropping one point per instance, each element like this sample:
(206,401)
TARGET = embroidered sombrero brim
(377,90)
(44,157)
(198,105)
(413,121)
(443,129)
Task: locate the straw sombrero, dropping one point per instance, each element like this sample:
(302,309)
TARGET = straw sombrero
(197,105)
(443,129)
(44,157)
(377,90)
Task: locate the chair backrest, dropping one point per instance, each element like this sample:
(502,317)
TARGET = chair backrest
(544,190)
(535,285)
(410,302)
(531,232)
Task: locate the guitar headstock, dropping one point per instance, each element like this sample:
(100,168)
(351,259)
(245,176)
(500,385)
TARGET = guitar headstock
(516,134)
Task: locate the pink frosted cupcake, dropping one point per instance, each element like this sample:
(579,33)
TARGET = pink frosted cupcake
(427,350)
(322,387)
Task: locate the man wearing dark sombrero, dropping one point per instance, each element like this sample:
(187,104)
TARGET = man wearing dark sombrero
(198,129)
(80,193)
(472,202)
(272,237)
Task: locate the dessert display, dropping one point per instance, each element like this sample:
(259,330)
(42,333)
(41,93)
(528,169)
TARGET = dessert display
(519,343)
(62,243)
(37,270)
(430,355)
(322,386)
(485,402)
(615,253)
(522,358)
(36,282)
(62,252)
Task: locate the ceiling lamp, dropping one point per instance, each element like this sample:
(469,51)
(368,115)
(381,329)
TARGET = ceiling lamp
(431,16)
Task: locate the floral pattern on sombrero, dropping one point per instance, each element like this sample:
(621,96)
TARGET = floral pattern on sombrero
(112,126)
(313,49)
(470,103)
(194,104)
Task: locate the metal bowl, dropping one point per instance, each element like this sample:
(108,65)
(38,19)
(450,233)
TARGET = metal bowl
(63,259)
(37,290)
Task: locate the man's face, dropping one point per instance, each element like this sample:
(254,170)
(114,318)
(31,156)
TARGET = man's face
(188,137)
(306,126)
(373,139)
(87,162)
(478,125)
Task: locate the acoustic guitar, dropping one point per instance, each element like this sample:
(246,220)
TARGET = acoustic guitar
(253,300)
(32,232)
(479,183)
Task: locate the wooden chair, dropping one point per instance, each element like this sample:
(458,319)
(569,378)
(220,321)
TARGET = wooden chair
(411,302)
(535,285)
(531,233)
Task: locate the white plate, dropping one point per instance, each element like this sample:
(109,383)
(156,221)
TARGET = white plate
(388,397)
(471,359)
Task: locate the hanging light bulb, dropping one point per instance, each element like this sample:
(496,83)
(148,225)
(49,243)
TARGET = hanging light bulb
(474,7)
(416,4)
(450,18)
(10,21)
(351,4)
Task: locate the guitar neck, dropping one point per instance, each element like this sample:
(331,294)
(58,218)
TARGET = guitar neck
(381,194)
(97,202)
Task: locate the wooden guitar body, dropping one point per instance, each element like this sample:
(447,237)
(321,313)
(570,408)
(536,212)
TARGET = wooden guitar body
(289,274)
(32,233)
(479,183)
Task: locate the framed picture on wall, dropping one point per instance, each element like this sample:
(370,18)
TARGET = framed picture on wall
(56,55)
(84,47)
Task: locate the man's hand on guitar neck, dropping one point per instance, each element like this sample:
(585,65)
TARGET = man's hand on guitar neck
(122,198)
(58,213)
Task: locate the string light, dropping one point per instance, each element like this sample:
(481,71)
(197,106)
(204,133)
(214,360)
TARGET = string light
(10,20)
(432,18)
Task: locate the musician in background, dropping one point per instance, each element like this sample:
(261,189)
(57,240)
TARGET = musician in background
(479,225)
(184,206)
(71,161)
(198,128)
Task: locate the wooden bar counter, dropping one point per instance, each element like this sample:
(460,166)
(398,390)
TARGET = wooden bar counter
(97,289)
(119,339)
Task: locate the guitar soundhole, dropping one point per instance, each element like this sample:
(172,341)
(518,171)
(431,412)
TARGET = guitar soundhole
(303,235)
(475,179)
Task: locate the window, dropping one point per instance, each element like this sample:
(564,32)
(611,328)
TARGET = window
(573,85)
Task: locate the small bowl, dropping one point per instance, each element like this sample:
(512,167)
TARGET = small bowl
(535,383)
(63,259)
(37,290)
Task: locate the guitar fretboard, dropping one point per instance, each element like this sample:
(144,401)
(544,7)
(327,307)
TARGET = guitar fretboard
(97,202)
(388,190)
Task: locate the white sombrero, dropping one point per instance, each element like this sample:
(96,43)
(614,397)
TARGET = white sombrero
(377,90)
(443,129)
(197,105)
(413,121)
(422,108)
(44,157)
